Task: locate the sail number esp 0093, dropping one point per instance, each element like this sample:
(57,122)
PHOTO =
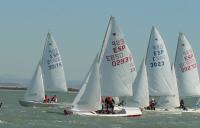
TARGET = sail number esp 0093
(118,57)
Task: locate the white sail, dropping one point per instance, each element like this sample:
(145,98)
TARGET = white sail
(171,101)
(140,96)
(35,91)
(89,97)
(158,66)
(116,63)
(186,69)
(52,66)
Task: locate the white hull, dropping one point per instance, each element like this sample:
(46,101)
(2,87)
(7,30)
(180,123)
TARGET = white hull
(191,110)
(37,104)
(164,111)
(128,112)
(173,111)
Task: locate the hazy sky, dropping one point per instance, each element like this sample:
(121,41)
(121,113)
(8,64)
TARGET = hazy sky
(78,26)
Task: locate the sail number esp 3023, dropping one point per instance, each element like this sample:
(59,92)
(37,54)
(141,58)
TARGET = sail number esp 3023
(158,56)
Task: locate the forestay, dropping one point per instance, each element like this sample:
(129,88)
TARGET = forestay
(117,68)
(52,66)
(89,97)
(158,66)
(35,91)
(186,69)
(140,96)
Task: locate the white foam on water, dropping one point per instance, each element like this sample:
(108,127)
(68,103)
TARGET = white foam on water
(3,122)
(58,121)
(22,111)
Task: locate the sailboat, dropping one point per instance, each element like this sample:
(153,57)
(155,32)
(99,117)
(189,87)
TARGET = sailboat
(140,96)
(88,101)
(35,93)
(186,70)
(111,74)
(49,76)
(159,73)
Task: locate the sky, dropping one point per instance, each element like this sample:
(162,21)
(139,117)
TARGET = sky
(78,27)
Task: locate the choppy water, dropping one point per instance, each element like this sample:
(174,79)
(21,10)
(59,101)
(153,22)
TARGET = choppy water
(12,115)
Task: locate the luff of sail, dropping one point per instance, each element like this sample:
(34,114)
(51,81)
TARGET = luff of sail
(158,66)
(140,96)
(186,69)
(89,97)
(35,91)
(52,67)
(117,68)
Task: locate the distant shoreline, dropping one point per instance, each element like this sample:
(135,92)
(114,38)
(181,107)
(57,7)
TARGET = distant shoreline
(23,88)
(13,88)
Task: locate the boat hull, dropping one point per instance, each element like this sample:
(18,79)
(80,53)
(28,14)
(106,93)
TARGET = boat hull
(191,110)
(164,111)
(128,112)
(37,104)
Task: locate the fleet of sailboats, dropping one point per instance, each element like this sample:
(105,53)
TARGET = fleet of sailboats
(113,74)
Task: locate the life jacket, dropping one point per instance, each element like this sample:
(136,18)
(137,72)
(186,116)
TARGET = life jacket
(46,99)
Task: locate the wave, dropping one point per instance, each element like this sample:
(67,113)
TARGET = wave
(3,122)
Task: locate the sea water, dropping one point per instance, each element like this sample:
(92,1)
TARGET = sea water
(12,115)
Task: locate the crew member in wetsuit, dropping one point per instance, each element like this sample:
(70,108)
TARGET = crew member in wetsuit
(152,104)
(182,105)
(46,99)
(109,104)
(54,99)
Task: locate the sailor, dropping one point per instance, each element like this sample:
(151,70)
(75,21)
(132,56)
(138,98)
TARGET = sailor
(1,104)
(46,99)
(182,105)
(110,103)
(67,112)
(54,99)
(152,104)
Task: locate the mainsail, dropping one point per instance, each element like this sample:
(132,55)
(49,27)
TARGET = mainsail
(89,97)
(158,66)
(140,96)
(35,91)
(117,68)
(186,69)
(52,66)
